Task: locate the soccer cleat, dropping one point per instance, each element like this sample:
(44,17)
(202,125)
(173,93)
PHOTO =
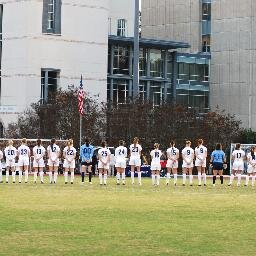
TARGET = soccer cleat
(117,183)
(199,185)
(51,182)
(54,182)
(26,182)
(66,183)
(175,184)
(1,181)
(238,185)
(245,185)
(183,185)
(71,182)
(123,183)
(105,184)
(6,182)
(101,184)
(139,183)
(191,185)
(13,182)
(90,182)
(34,182)
(213,185)
(167,183)
(205,185)
(41,182)
(229,184)
(20,182)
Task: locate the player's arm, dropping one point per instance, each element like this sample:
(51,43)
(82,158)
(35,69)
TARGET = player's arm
(1,155)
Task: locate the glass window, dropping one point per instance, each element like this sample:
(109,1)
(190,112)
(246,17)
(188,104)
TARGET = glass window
(120,91)
(156,93)
(49,85)
(121,27)
(183,71)
(143,62)
(206,43)
(143,91)
(51,11)
(121,60)
(206,11)
(156,63)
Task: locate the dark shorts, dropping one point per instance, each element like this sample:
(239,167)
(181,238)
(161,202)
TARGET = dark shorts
(217,166)
(86,164)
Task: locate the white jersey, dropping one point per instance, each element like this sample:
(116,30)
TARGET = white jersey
(155,156)
(135,150)
(121,153)
(70,153)
(1,155)
(238,155)
(188,154)
(10,153)
(172,153)
(38,152)
(104,153)
(53,152)
(24,151)
(201,152)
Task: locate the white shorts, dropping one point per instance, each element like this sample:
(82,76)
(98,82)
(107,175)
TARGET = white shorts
(185,165)
(120,163)
(69,165)
(40,163)
(23,161)
(10,162)
(103,166)
(135,161)
(50,163)
(172,164)
(200,163)
(155,167)
(251,169)
(238,166)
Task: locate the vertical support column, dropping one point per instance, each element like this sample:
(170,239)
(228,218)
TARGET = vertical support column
(148,73)
(46,89)
(130,72)
(165,75)
(136,49)
(111,90)
(111,72)
(174,76)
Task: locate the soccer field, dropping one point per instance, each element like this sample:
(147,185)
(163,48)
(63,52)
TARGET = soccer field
(126,220)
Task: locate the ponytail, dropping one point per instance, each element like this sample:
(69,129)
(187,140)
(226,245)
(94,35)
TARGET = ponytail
(52,143)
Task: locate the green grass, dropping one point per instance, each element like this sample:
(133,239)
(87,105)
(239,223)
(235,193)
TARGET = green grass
(126,220)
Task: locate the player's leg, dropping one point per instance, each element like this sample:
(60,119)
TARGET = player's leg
(132,173)
(221,176)
(1,173)
(89,168)
(72,175)
(153,176)
(13,170)
(203,169)
(215,172)
(199,175)
(41,174)
(184,175)
(105,175)
(20,167)
(118,175)
(157,177)
(123,174)
(168,175)
(7,174)
(100,175)
(139,173)
(66,169)
(239,176)
(175,175)
(83,170)
(232,177)
(190,176)
(55,174)
(26,173)
(253,178)
(35,173)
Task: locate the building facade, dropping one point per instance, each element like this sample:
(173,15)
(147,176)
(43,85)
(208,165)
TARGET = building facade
(48,44)
(223,28)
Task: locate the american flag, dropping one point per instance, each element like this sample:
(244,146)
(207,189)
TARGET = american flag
(81,96)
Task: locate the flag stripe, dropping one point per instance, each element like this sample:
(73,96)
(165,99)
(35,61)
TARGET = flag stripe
(81,97)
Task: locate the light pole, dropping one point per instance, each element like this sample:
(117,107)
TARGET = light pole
(136,52)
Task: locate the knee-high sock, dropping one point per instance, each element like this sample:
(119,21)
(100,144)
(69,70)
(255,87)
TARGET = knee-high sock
(204,177)
(247,178)
(184,178)
(90,176)
(41,174)
(118,177)
(168,176)
(100,177)
(239,176)
(105,178)
(7,176)
(132,177)
(35,176)
(221,179)
(55,175)
(82,175)
(123,176)
(175,177)
(50,176)
(72,177)
(139,177)
(26,176)
(190,179)
(231,178)
(253,180)
(20,175)
(199,176)
(66,176)
(157,179)
(1,175)
(13,176)
(153,176)
(213,179)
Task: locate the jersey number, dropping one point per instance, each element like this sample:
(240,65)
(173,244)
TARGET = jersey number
(121,152)
(23,152)
(104,153)
(70,152)
(38,151)
(135,149)
(188,152)
(238,155)
(10,152)
(201,151)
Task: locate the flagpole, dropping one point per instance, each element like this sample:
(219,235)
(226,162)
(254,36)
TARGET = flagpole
(80,135)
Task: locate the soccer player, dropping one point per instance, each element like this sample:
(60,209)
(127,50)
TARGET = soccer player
(10,153)
(1,171)
(173,155)
(120,157)
(23,162)
(238,157)
(69,154)
(251,158)
(38,163)
(155,164)
(200,163)
(135,161)
(86,154)
(187,166)
(218,158)
(104,159)
(53,152)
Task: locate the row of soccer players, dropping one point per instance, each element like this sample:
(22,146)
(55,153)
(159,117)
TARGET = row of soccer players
(218,159)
